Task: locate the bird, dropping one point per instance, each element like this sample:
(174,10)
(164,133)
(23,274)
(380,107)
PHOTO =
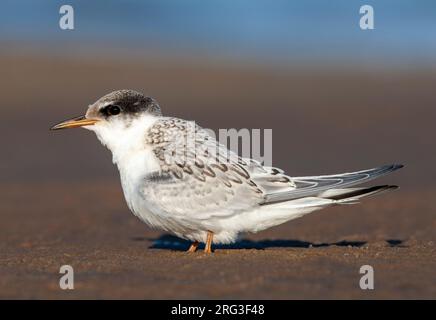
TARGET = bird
(177,177)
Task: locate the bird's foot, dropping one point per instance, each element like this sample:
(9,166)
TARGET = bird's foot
(208,246)
(193,247)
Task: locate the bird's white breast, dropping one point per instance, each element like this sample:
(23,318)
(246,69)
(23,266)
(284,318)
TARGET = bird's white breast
(133,157)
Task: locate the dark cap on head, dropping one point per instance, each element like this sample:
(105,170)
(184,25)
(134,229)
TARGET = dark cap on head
(130,102)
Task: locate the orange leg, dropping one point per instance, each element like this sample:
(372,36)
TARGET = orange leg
(208,246)
(193,246)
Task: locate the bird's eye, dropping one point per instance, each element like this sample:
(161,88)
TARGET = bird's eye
(111,110)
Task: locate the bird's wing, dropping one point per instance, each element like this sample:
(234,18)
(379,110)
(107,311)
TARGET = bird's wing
(316,185)
(199,177)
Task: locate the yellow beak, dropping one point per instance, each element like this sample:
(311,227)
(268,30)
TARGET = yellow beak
(75,123)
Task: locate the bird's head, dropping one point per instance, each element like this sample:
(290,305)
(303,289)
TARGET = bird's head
(118,118)
(117,109)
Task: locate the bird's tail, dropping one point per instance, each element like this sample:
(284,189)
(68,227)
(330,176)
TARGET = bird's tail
(352,195)
(314,193)
(335,185)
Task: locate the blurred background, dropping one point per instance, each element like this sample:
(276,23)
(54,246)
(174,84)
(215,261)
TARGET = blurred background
(338,99)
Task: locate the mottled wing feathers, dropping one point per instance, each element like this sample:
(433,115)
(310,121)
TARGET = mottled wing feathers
(185,149)
(198,175)
(202,178)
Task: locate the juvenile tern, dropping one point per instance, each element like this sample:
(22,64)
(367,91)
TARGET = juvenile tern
(178,178)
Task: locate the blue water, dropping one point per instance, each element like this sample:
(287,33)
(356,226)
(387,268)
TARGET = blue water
(405,30)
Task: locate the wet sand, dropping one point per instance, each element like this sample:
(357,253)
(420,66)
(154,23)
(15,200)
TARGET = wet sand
(61,201)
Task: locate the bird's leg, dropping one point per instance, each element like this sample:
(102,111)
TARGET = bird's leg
(193,246)
(208,246)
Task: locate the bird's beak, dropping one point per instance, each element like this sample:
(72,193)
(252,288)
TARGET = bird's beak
(75,123)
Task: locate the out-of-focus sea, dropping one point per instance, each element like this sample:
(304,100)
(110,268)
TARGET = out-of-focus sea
(258,30)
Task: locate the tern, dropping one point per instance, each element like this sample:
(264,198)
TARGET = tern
(176,177)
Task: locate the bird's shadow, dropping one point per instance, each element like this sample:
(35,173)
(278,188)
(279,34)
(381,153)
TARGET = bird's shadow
(170,242)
